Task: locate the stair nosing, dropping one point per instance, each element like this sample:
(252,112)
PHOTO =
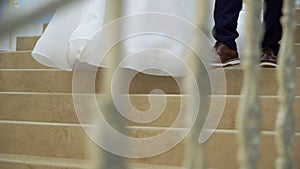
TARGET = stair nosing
(133,95)
(63,162)
(43,160)
(217,131)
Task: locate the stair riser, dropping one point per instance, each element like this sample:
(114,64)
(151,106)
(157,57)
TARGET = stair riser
(61,82)
(297,35)
(68,142)
(60,109)
(26,43)
(19,60)
(297,15)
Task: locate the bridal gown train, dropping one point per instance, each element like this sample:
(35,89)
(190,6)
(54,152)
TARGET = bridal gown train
(74,26)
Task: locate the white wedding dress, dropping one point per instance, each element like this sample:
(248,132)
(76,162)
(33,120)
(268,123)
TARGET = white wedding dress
(73,30)
(156,38)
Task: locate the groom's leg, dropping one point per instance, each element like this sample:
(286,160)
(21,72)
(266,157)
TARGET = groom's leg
(226,15)
(273,28)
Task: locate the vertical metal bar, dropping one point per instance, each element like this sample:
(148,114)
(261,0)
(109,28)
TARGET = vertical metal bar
(195,157)
(249,115)
(286,76)
(104,159)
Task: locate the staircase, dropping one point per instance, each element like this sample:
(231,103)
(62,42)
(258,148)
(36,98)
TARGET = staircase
(39,128)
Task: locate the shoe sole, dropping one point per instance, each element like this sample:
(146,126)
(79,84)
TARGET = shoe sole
(268,65)
(227,64)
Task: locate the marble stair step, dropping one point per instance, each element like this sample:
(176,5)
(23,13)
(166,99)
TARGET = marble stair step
(59,108)
(68,141)
(23,60)
(58,81)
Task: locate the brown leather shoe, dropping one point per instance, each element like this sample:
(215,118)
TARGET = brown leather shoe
(224,56)
(268,58)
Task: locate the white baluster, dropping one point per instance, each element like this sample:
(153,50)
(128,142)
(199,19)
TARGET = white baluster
(286,75)
(103,159)
(194,158)
(249,115)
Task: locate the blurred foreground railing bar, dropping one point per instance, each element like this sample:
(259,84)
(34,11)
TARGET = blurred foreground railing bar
(286,75)
(195,154)
(249,114)
(103,159)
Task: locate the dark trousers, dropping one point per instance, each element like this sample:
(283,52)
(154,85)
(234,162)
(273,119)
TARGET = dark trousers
(226,15)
